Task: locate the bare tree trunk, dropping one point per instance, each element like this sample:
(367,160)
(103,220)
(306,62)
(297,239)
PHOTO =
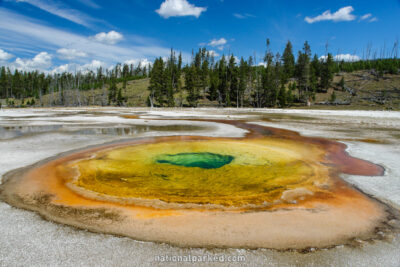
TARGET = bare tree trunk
(151,101)
(78,96)
(60,95)
(237,98)
(67,92)
(10,83)
(103,100)
(51,97)
(92,91)
(40,96)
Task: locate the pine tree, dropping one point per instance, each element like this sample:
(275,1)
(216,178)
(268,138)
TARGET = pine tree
(171,77)
(214,83)
(16,85)
(223,92)
(3,83)
(157,83)
(279,79)
(200,80)
(288,62)
(112,92)
(120,98)
(232,77)
(268,97)
(190,86)
(125,75)
(282,98)
(205,71)
(333,97)
(315,70)
(243,77)
(327,72)
(179,85)
(303,72)
(341,83)
(289,94)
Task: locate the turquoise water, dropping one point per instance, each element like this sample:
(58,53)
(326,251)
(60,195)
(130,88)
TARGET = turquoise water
(204,160)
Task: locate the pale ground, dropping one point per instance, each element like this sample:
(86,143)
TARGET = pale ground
(27,239)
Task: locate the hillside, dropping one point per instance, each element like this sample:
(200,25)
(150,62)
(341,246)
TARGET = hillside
(363,90)
(136,95)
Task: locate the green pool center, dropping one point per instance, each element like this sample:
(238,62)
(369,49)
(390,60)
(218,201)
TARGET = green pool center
(204,160)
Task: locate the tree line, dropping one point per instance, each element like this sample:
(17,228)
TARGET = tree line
(65,89)
(279,80)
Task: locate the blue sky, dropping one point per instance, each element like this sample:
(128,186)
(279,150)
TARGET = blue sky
(54,35)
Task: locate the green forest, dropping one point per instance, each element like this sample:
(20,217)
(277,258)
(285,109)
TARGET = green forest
(279,80)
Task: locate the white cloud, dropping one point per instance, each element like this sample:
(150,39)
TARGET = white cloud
(344,57)
(347,57)
(4,56)
(143,62)
(213,53)
(112,37)
(239,16)
(58,9)
(65,53)
(73,67)
(366,16)
(243,16)
(62,69)
(94,65)
(90,3)
(28,35)
(343,14)
(41,61)
(217,42)
(179,8)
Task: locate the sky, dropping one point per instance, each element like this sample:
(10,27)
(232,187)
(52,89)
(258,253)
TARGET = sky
(57,36)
